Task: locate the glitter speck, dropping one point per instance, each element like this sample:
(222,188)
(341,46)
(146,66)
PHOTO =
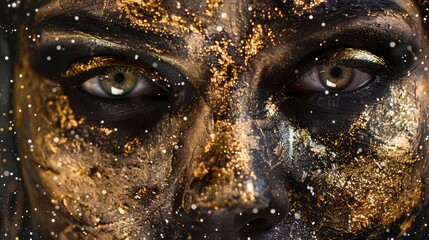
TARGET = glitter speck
(392,44)
(297,216)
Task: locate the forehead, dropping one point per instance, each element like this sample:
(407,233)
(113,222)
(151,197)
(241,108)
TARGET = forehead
(207,12)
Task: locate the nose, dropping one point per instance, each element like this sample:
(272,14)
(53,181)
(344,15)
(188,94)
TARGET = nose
(267,209)
(231,198)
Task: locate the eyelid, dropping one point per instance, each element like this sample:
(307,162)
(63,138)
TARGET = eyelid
(85,67)
(356,54)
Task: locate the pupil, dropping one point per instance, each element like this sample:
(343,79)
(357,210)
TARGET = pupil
(119,77)
(336,72)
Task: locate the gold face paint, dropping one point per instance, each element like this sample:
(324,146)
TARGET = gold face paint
(230,152)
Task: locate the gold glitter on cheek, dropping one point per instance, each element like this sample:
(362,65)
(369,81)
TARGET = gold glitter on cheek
(376,189)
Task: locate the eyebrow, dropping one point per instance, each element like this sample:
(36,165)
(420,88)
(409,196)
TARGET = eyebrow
(99,27)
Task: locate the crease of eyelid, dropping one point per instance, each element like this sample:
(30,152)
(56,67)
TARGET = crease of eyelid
(79,68)
(357,54)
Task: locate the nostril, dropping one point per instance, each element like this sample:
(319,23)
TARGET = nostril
(260,224)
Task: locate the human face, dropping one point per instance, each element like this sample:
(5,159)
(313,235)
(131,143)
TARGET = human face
(223,119)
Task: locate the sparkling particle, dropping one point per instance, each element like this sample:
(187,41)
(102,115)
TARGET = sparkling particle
(104,192)
(194,206)
(154,65)
(310,17)
(76,18)
(323,24)
(58,47)
(121,210)
(255,210)
(272,211)
(392,44)
(219,28)
(223,15)
(297,216)
(48,58)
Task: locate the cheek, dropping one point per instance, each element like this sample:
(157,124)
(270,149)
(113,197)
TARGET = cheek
(373,182)
(85,182)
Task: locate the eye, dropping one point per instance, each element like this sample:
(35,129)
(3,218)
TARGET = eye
(346,70)
(113,78)
(123,83)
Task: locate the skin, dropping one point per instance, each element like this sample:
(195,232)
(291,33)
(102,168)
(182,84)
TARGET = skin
(234,147)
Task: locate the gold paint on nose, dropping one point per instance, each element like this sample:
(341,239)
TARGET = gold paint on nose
(224,176)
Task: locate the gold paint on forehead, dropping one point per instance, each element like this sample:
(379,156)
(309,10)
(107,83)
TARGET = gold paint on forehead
(302,6)
(147,13)
(212,5)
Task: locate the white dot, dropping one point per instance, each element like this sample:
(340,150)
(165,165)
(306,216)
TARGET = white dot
(310,17)
(323,24)
(6,58)
(185,118)
(272,211)
(297,216)
(392,44)
(58,47)
(104,192)
(219,28)
(154,65)
(223,15)
(76,18)
(255,210)
(48,58)
(53,220)
(326,92)
(194,206)
(56,139)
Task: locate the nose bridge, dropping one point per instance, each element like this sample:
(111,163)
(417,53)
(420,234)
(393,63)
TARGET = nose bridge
(224,177)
